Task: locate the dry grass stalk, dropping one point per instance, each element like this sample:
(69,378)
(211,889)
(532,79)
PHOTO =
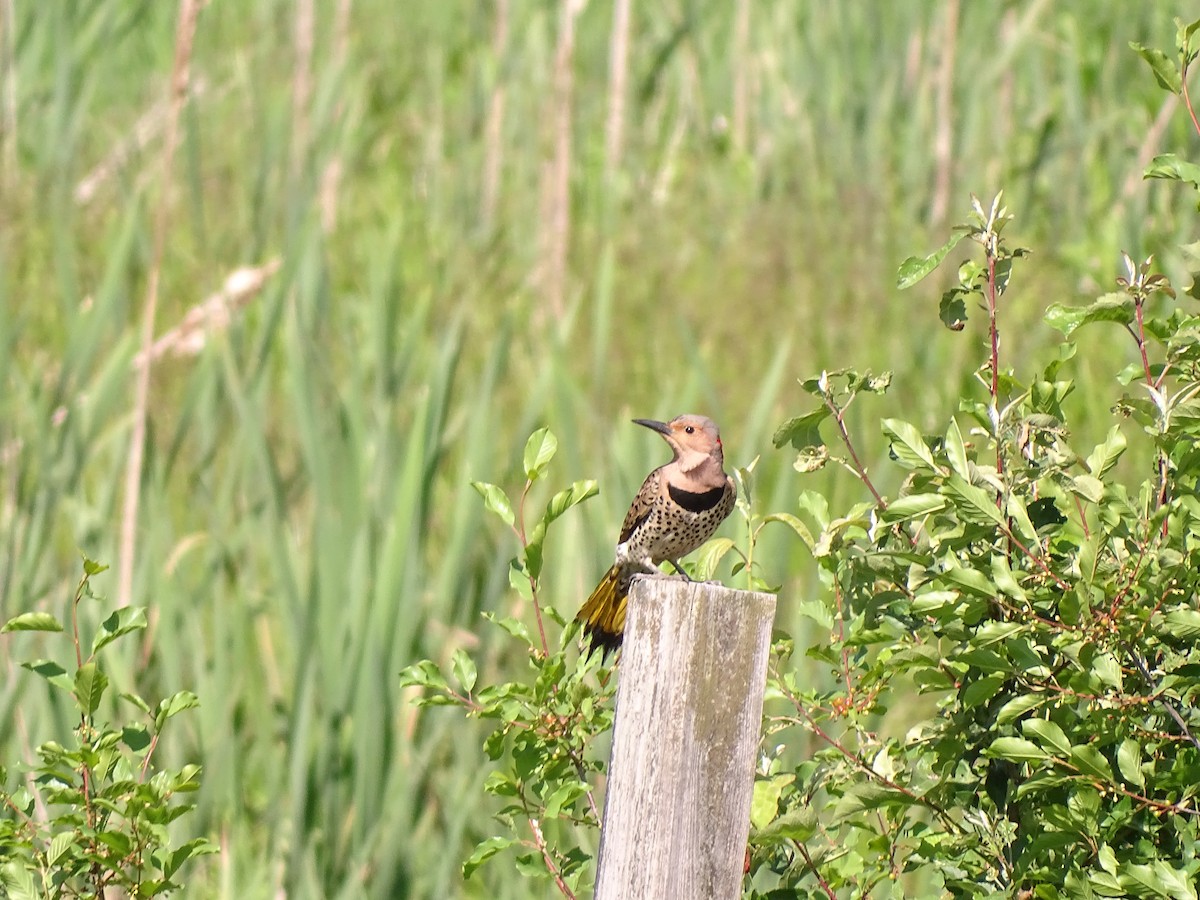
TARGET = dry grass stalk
(302,38)
(741,74)
(556,174)
(943,141)
(618,77)
(145,130)
(331,174)
(493,129)
(8,86)
(185,33)
(211,316)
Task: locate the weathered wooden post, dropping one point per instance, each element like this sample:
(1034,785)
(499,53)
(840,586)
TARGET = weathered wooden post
(685,742)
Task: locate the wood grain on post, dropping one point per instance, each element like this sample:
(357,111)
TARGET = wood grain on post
(685,741)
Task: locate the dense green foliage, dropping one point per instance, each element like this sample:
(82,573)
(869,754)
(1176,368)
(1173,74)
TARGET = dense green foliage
(308,528)
(92,815)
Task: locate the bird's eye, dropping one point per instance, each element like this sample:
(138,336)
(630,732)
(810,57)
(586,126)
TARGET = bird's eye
(689,429)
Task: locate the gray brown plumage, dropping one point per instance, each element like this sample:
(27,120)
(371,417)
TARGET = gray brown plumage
(677,509)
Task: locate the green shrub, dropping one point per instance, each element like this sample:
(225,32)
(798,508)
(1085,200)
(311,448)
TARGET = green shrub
(1037,597)
(93,813)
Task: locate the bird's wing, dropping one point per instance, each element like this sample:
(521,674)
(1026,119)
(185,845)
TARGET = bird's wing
(642,504)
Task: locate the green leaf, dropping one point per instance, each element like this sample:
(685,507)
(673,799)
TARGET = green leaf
(908,445)
(17,880)
(1016,749)
(868,796)
(913,506)
(90,684)
(970,580)
(982,689)
(1090,761)
(1017,707)
(1172,168)
(1183,624)
(59,845)
(1115,307)
(956,451)
(1129,761)
(817,611)
(515,627)
(915,268)
(121,622)
(495,500)
(1107,859)
(802,432)
(764,804)
(1105,456)
(709,557)
(484,852)
(793,825)
(136,737)
(1088,487)
(1006,581)
(811,459)
(934,603)
(424,674)
(173,705)
(563,797)
(91,567)
(464,670)
(1048,734)
(1165,71)
(501,784)
(51,671)
(952,309)
(975,504)
(572,496)
(184,852)
(539,450)
(995,632)
(796,525)
(33,621)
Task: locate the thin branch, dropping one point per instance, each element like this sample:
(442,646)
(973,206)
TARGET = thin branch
(817,872)
(1166,702)
(540,840)
(860,469)
(1187,99)
(862,763)
(533,582)
(994,334)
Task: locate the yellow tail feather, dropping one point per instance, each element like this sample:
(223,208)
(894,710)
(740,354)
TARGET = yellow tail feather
(603,615)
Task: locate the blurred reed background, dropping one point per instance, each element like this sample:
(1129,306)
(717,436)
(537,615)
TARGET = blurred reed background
(378,243)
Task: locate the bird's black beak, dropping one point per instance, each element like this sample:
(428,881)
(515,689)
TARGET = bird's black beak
(654,425)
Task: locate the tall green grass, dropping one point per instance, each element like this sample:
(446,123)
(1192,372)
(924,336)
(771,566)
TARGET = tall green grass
(307,526)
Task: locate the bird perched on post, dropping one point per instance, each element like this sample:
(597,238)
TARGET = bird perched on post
(678,507)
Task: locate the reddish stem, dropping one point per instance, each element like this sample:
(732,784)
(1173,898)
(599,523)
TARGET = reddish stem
(820,878)
(533,582)
(838,415)
(1187,100)
(540,840)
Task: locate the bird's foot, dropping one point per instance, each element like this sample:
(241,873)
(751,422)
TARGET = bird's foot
(660,575)
(678,568)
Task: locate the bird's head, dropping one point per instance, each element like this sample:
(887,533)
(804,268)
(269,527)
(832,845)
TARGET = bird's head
(694,439)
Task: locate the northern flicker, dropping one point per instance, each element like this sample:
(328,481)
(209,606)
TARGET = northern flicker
(678,507)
